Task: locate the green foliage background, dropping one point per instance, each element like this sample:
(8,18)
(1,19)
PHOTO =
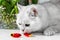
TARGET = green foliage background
(8,14)
(10,10)
(26,2)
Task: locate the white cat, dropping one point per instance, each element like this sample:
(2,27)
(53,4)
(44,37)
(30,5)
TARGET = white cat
(44,17)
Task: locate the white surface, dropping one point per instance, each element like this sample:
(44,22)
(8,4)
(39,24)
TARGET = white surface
(5,35)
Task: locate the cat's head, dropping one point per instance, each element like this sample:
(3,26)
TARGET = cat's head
(28,18)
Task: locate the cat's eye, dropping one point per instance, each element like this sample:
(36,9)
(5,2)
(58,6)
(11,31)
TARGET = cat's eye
(32,15)
(19,23)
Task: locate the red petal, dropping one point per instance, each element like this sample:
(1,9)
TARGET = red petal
(27,34)
(16,35)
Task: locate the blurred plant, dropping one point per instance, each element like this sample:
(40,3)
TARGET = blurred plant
(8,14)
(26,2)
(8,10)
(34,1)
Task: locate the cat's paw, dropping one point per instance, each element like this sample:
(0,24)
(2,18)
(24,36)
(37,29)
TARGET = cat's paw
(50,32)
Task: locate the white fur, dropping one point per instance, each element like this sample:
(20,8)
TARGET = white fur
(53,1)
(23,18)
(48,15)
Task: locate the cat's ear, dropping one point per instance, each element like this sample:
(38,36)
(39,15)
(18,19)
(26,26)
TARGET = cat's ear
(34,10)
(19,6)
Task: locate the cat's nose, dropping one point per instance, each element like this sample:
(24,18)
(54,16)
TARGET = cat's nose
(22,30)
(27,25)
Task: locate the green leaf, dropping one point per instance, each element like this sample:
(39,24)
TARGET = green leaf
(8,8)
(3,3)
(16,9)
(34,1)
(0,2)
(13,2)
(12,11)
